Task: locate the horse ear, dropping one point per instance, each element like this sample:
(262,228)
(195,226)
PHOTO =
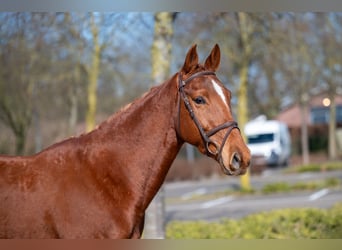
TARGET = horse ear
(213,60)
(191,60)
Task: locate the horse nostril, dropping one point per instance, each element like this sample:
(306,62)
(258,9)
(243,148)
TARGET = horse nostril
(235,161)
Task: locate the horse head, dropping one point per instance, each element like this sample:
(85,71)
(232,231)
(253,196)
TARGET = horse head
(205,117)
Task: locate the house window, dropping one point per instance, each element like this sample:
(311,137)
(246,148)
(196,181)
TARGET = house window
(321,115)
(339,114)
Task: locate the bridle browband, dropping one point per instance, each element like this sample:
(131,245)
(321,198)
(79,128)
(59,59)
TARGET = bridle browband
(230,125)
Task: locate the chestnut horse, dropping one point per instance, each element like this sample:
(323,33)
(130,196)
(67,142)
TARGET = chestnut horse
(98,185)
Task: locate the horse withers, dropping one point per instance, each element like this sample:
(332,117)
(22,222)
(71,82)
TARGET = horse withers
(99,184)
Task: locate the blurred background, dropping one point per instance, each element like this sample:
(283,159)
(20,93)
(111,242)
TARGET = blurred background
(63,73)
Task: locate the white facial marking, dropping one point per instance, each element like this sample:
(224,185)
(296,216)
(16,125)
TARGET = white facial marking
(219,91)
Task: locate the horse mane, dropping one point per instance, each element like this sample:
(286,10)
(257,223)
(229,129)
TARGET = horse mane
(130,106)
(127,109)
(151,92)
(195,69)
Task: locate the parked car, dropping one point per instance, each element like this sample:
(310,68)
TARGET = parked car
(269,139)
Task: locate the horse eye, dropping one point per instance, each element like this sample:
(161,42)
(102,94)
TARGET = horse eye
(199,100)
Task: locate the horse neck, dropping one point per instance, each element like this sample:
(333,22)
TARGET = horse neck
(145,139)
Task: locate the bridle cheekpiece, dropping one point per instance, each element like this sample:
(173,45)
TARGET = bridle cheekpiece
(230,125)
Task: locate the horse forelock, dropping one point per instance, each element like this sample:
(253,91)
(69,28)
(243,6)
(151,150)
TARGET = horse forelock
(194,69)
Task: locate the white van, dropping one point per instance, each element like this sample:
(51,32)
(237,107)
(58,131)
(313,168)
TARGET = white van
(269,139)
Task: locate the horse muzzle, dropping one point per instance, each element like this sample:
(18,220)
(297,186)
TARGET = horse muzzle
(235,166)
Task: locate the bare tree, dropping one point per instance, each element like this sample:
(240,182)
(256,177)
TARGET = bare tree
(245,25)
(330,42)
(162,46)
(23,63)
(301,72)
(267,88)
(72,71)
(161,55)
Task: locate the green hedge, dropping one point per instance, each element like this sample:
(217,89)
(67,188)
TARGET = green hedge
(308,223)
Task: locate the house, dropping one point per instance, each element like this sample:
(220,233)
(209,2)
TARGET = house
(318,113)
(317,118)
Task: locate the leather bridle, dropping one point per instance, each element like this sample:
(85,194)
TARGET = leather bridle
(230,125)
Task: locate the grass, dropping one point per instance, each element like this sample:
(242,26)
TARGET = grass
(300,186)
(295,223)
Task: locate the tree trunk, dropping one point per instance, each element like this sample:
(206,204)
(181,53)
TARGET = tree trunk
(161,56)
(93,73)
(20,138)
(73,112)
(304,128)
(242,106)
(273,106)
(37,131)
(161,47)
(332,127)
(74,94)
(18,120)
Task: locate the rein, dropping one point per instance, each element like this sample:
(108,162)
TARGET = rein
(216,153)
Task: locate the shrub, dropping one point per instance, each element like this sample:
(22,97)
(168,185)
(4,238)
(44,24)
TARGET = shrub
(299,223)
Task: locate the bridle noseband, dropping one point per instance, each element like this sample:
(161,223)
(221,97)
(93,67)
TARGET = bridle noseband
(205,135)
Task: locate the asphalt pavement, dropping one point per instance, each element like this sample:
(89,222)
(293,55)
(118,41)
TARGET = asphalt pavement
(183,199)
